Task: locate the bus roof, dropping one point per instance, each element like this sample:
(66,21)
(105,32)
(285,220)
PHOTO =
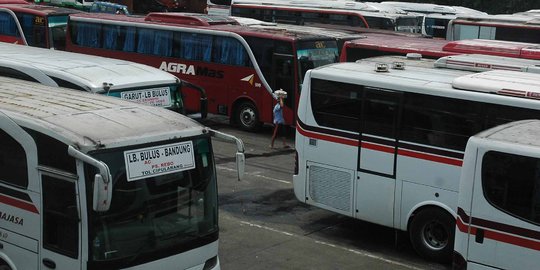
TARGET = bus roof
(344,7)
(468,62)
(511,19)
(428,8)
(439,47)
(88,71)
(42,10)
(495,47)
(401,44)
(523,132)
(74,116)
(421,78)
(175,19)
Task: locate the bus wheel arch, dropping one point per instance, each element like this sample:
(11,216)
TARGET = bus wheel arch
(431,231)
(4,265)
(246,115)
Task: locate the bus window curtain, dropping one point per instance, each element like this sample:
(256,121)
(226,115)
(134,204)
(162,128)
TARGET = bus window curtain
(230,52)
(163,43)
(145,42)
(129,41)
(7,25)
(196,47)
(110,37)
(88,35)
(27,24)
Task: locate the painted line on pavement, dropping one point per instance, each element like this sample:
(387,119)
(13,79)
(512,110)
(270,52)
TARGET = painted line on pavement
(255,174)
(358,252)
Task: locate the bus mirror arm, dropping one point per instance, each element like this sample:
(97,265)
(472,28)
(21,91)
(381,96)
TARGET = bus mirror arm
(102,180)
(240,157)
(204,98)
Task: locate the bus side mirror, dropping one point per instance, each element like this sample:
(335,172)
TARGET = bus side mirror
(102,194)
(240,165)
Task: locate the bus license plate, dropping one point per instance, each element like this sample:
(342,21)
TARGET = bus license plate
(155,96)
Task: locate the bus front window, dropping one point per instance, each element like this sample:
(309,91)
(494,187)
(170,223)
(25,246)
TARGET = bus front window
(313,54)
(150,216)
(57,31)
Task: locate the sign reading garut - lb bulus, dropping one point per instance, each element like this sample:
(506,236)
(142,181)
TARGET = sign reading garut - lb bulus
(155,96)
(159,160)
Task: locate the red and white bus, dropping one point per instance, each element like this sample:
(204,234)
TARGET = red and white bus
(238,66)
(41,26)
(509,27)
(374,44)
(386,145)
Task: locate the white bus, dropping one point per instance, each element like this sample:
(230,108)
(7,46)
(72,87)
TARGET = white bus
(435,18)
(387,147)
(498,212)
(324,12)
(509,27)
(99,75)
(93,182)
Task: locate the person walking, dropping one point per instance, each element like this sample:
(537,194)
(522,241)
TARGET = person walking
(279,121)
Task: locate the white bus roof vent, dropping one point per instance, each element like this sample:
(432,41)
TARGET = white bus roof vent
(381,67)
(480,62)
(399,65)
(502,82)
(414,56)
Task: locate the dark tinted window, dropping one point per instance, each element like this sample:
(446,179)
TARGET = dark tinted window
(512,183)
(53,153)
(440,121)
(60,216)
(335,104)
(67,84)
(12,73)
(518,34)
(13,166)
(379,113)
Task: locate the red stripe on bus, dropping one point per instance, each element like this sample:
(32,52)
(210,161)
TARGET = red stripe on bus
(438,159)
(326,137)
(500,237)
(402,152)
(18,204)
(378,147)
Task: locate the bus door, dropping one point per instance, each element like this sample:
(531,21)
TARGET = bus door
(283,78)
(19,226)
(505,210)
(377,156)
(60,248)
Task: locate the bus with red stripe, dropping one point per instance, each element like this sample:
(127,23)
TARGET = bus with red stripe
(239,67)
(499,193)
(377,44)
(386,145)
(87,181)
(34,25)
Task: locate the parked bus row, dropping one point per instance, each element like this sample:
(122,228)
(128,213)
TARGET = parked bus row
(400,134)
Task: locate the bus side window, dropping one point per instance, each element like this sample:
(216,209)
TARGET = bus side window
(8,25)
(87,34)
(13,167)
(60,216)
(229,51)
(512,183)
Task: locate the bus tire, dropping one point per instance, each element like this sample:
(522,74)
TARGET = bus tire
(432,233)
(247,117)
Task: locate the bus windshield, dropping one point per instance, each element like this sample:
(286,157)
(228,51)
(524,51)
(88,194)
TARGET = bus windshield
(313,54)
(57,26)
(173,209)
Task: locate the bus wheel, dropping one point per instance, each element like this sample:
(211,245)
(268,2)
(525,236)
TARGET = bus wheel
(247,117)
(4,267)
(432,234)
